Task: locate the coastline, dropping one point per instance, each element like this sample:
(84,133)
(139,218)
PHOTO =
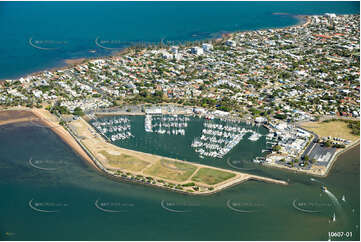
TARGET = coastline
(338,154)
(77,61)
(92,158)
(38,115)
(222,36)
(328,168)
(50,121)
(94,144)
(63,135)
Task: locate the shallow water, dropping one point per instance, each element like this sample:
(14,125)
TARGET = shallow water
(267,210)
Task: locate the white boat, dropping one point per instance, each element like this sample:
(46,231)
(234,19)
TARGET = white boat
(148,123)
(334,217)
(343,198)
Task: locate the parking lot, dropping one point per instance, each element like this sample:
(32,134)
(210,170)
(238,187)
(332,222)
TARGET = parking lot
(321,154)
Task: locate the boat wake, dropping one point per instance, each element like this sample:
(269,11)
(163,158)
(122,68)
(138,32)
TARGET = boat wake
(315,180)
(338,209)
(333,198)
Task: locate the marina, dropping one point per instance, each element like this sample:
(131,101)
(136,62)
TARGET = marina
(190,137)
(166,124)
(218,138)
(81,187)
(177,121)
(114,129)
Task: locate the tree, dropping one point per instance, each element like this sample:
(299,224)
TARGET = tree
(78,111)
(276,148)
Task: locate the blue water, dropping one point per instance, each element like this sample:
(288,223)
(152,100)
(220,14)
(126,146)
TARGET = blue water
(69,29)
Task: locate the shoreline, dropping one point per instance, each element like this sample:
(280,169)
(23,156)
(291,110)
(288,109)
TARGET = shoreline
(329,167)
(54,126)
(64,135)
(322,173)
(338,154)
(76,145)
(88,155)
(222,36)
(308,172)
(91,146)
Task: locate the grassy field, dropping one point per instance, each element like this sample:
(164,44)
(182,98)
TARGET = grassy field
(123,161)
(333,128)
(171,170)
(211,176)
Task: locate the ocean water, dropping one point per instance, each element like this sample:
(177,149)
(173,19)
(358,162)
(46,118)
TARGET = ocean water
(249,211)
(37,36)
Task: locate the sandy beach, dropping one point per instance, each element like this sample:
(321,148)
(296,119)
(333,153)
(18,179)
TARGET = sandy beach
(47,119)
(144,163)
(16,116)
(99,151)
(96,151)
(75,61)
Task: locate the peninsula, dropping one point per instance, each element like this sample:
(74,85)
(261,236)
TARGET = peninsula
(300,82)
(133,166)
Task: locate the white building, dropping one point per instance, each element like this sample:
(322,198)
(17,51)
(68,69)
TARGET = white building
(260,119)
(177,56)
(231,43)
(330,15)
(197,50)
(37,93)
(167,55)
(153,111)
(174,49)
(207,47)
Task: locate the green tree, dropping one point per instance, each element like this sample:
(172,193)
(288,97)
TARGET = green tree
(276,148)
(78,111)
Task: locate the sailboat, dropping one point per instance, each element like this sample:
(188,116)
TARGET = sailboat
(343,198)
(334,217)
